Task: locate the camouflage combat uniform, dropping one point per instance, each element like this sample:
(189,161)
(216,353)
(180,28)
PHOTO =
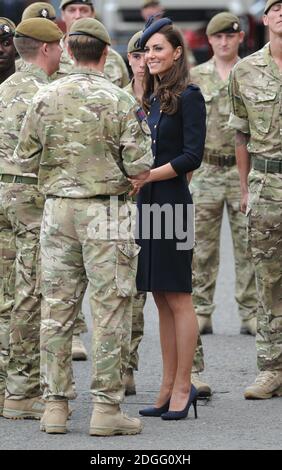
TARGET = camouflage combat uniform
(21,207)
(215,185)
(255,90)
(116,72)
(139,300)
(84,159)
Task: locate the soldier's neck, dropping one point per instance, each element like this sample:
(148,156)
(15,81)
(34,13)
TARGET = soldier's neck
(224,67)
(276,50)
(6,74)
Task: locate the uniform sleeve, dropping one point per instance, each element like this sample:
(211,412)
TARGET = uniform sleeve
(28,151)
(194,132)
(238,117)
(135,142)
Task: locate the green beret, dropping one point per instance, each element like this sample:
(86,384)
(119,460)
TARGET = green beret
(39,29)
(65,3)
(39,10)
(7,27)
(133,45)
(223,23)
(90,27)
(269,5)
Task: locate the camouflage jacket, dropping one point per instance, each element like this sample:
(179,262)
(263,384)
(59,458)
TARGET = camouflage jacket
(115,68)
(220,138)
(256,103)
(129,89)
(15,95)
(84,136)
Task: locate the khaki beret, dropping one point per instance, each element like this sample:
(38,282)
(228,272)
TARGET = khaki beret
(7,27)
(90,27)
(134,44)
(39,29)
(223,23)
(269,5)
(65,3)
(39,10)
(149,3)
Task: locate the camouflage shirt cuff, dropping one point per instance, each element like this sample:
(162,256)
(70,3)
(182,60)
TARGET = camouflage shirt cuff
(239,124)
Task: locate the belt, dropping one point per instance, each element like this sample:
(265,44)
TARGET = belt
(220,160)
(267,166)
(121,197)
(18,179)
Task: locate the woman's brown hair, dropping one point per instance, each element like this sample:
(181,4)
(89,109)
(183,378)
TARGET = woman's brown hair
(170,87)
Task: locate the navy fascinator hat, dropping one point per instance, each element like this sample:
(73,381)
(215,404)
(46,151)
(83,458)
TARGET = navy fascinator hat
(151,27)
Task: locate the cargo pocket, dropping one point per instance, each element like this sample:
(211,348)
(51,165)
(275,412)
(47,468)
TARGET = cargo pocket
(261,105)
(126,266)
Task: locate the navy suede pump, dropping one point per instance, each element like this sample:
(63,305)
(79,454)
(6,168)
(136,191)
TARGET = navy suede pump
(169,415)
(154,411)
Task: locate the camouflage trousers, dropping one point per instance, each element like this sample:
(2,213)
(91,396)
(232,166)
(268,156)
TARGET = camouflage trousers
(212,188)
(72,254)
(137,328)
(265,238)
(7,289)
(22,208)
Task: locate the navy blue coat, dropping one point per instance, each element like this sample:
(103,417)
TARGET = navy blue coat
(177,139)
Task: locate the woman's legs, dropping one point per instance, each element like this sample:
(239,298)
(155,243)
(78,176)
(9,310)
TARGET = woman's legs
(168,348)
(178,333)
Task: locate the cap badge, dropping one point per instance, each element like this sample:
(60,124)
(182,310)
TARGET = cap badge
(6,28)
(44,13)
(235,26)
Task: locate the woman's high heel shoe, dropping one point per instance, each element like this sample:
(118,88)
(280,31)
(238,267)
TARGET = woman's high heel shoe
(154,411)
(169,415)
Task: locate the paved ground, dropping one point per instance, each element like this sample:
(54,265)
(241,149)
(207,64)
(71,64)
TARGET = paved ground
(226,422)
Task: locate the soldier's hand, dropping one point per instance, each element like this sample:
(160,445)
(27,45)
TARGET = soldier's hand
(138,182)
(244,202)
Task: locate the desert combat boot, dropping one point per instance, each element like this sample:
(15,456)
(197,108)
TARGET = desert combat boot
(203,389)
(28,408)
(205,324)
(109,420)
(54,420)
(249,327)
(268,384)
(78,350)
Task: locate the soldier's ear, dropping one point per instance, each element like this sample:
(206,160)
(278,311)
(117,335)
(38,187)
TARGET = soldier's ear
(70,53)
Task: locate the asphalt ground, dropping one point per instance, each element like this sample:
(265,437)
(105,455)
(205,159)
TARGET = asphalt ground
(227,421)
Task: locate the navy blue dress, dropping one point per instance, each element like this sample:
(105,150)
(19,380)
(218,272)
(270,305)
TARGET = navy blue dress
(177,139)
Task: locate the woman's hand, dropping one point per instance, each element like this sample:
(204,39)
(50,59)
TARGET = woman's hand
(138,182)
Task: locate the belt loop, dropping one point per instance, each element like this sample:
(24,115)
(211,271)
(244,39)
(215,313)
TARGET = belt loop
(14,178)
(265,166)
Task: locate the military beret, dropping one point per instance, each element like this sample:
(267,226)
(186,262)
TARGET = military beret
(269,5)
(39,29)
(90,27)
(7,27)
(65,3)
(152,27)
(223,23)
(39,10)
(148,3)
(133,45)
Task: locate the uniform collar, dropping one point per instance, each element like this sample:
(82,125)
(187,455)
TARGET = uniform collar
(86,71)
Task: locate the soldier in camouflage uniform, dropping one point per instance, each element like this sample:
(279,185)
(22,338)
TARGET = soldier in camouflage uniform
(256,95)
(7,239)
(116,71)
(115,68)
(85,136)
(135,88)
(216,184)
(21,207)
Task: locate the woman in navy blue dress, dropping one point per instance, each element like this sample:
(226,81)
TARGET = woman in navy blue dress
(176,116)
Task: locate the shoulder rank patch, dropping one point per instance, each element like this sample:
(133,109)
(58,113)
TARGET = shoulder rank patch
(142,119)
